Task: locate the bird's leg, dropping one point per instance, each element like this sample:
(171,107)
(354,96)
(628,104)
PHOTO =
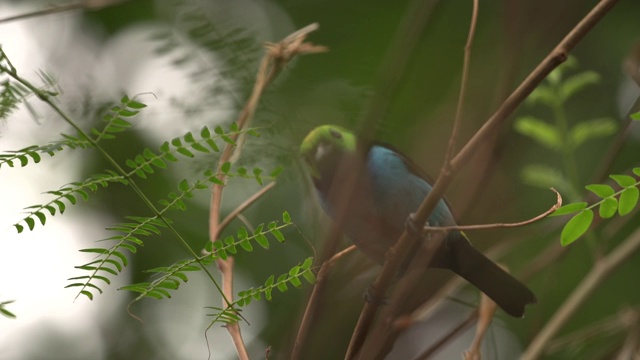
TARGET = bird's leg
(411,226)
(369,297)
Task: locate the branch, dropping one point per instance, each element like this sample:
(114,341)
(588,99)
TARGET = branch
(597,275)
(85,4)
(502,225)
(312,305)
(226,269)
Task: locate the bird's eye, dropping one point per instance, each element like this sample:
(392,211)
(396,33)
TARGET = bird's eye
(335,133)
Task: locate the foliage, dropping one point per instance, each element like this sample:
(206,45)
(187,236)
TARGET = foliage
(622,201)
(560,137)
(565,140)
(130,235)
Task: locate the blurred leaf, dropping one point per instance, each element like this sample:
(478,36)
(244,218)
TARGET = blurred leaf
(591,129)
(635,116)
(544,176)
(540,131)
(628,200)
(576,227)
(575,83)
(544,95)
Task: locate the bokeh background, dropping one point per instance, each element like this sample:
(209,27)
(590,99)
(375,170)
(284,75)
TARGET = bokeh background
(198,59)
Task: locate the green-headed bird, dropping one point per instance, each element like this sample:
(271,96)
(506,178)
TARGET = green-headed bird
(389,188)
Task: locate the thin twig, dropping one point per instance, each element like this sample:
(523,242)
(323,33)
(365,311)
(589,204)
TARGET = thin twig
(596,276)
(553,208)
(314,300)
(457,120)
(85,4)
(486,310)
(232,215)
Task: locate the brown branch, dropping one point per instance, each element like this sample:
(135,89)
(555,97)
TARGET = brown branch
(398,252)
(486,310)
(226,269)
(502,225)
(276,58)
(232,215)
(314,300)
(590,283)
(451,148)
(85,4)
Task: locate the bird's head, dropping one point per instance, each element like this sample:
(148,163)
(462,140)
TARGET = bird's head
(324,147)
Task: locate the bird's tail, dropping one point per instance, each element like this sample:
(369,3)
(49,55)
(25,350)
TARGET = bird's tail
(509,293)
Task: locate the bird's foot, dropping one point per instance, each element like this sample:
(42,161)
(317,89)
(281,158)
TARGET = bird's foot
(412,227)
(371,298)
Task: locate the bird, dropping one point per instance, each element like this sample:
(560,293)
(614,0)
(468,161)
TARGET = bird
(387,190)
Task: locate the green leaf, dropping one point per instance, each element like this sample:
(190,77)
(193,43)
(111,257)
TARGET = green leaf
(591,129)
(183,185)
(205,133)
(569,209)
(262,241)
(603,191)
(185,152)
(608,207)
(576,227)
(624,180)
(30,223)
(225,167)
(544,133)
(278,235)
(636,171)
(635,116)
(286,218)
(628,200)
(41,216)
(577,82)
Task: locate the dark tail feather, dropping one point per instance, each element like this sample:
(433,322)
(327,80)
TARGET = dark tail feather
(509,293)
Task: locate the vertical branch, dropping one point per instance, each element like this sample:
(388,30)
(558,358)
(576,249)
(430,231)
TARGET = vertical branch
(276,58)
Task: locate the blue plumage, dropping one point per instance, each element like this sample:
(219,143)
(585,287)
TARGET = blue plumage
(387,190)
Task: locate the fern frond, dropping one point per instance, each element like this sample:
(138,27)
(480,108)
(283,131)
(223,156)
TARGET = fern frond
(70,194)
(115,119)
(245,297)
(186,145)
(11,94)
(222,248)
(292,277)
(172,275)
(111,261)
(170,279)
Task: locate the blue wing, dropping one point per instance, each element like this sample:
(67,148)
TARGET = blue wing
(398,191)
